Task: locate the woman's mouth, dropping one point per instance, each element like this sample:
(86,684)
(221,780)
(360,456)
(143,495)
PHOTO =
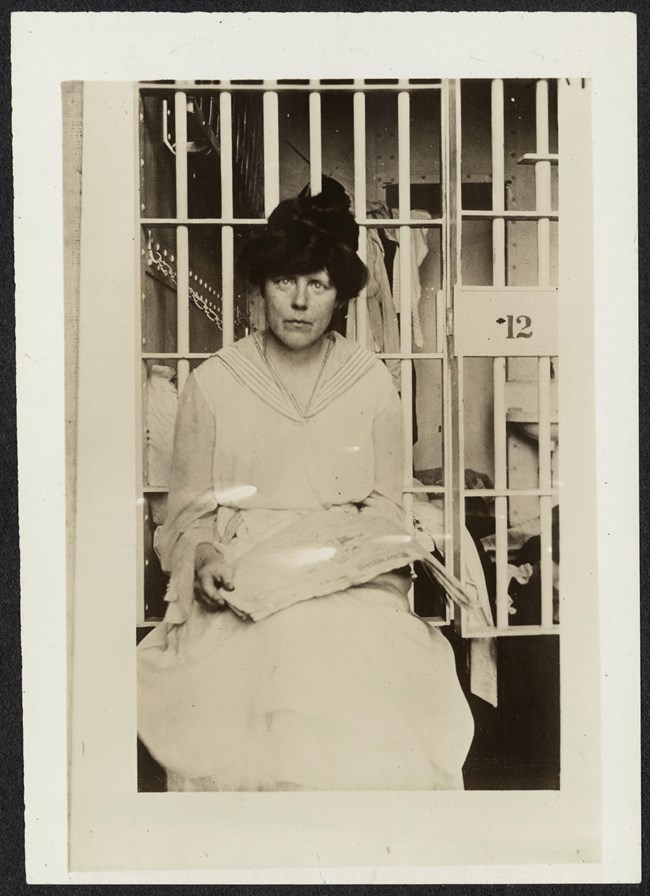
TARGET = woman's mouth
(297,324)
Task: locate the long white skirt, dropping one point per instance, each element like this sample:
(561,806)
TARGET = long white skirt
(345,692)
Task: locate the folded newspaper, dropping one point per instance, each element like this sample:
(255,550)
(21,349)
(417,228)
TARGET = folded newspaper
(321,554)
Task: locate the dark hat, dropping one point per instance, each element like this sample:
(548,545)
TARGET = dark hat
(328,212)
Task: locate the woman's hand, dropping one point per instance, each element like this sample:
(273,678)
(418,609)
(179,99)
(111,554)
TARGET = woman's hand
(212,572)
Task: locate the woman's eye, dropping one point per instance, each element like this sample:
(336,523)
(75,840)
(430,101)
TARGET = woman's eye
(318,285)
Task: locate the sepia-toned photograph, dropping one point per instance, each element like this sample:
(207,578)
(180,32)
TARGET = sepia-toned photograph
(329,412)
(348,298)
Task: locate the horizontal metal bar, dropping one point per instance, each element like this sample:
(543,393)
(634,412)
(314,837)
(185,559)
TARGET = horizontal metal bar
(363,222)
(401,222)
(424,356)
(475,214)
(511,631)
(155,489)
(175,356)
(174,222)
(529,158)
(503,291)
(509,492)
(352,87)
(435,621)
(425,490)
(413,356)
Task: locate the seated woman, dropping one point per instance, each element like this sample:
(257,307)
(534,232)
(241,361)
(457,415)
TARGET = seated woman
(350,691)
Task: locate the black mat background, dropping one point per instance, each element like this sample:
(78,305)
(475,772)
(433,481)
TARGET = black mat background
(12,868)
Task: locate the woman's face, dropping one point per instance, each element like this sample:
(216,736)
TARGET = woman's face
(299,308)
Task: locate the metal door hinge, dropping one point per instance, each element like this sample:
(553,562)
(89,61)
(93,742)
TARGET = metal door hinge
(449,321)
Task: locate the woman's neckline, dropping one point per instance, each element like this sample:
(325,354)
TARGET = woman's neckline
(301,406)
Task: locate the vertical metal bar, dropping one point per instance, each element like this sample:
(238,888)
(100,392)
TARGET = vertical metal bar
(404,190)
(455,420)
(546,548)
(227,234)
(182,238)
(227,284)
(359,119)
(225,146)
(180,120)
(498,184)
(544,437)
(444,308)
(440,320)
(499,364)
(405,330)
(182,295)
(543,203)
(315,144)
(406,378)
(406,365)
(182,287)
(500,470)
(404,153)
(545,506)
(144,378)
(141,404)
(271,151)
(543,185)
(501,483)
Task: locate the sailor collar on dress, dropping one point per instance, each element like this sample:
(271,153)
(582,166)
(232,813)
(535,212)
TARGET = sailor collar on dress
(265,385)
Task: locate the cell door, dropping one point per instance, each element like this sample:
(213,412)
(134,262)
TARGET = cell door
(454,188)
(503,347)
(214,159)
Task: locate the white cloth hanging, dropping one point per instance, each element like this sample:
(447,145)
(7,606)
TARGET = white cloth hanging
(430,531)
(419,251)
(162,403)
(382,334)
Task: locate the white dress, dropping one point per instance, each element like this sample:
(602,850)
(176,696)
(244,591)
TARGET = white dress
(345,692)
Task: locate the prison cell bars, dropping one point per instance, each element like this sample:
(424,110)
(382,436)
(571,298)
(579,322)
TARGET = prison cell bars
(182,354)
(543,213)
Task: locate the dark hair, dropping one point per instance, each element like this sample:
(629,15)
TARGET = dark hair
(308,234)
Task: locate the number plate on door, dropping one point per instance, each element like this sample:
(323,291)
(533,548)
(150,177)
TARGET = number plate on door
(502,322)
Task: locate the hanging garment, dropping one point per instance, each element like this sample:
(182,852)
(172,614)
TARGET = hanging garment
(419,251)
(382,330)
(430,531)
(162,405)
(350,691)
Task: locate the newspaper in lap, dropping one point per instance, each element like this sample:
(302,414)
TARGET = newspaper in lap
(320,554)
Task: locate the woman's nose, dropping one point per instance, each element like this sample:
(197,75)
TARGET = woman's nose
(300,298)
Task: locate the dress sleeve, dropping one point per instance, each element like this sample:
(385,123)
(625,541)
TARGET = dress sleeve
(192,501)
(386,497)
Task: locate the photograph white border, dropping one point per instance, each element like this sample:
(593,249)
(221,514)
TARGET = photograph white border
(118,835)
